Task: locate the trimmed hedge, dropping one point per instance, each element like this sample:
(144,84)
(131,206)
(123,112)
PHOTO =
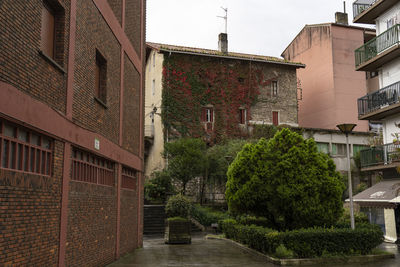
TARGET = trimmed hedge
(253,220)
(306,243)
(206,216)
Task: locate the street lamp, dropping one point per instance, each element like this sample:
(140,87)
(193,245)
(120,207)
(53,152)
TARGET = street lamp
(347,128)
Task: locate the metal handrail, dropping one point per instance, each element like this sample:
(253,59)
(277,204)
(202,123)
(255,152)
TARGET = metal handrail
(384,97)
(380,155)
(359,7)
(377,45)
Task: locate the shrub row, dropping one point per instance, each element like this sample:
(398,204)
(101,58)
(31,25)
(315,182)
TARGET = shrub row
(306,243)
(206,216)
(253,220)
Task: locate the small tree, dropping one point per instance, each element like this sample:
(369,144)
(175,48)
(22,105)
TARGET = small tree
(186,159)
(158,187)
(287,181)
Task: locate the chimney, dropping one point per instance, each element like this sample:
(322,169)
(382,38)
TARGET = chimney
(223,43)
(342,18)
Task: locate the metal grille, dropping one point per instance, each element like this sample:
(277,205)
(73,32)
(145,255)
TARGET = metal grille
(24,150)
(87,167)
(129,178)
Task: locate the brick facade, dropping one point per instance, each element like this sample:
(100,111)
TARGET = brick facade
(52,220)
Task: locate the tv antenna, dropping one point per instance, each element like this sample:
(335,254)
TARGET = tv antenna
(225,18)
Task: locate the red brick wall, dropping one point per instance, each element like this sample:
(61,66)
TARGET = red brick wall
(92,33)
(128,236)
(21,64)
(132,23)
(131,123)
(92,218)
(29,216)
(116,6)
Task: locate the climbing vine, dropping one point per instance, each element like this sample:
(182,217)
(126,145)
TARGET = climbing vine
(193,82)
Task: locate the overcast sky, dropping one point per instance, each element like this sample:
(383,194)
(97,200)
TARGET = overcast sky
(263,27)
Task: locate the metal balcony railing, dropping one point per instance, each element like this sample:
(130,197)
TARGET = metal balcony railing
(382,98)
(377,45)
(380,155)
(361,5)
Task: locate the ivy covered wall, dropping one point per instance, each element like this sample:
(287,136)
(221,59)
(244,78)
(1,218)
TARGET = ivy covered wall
(192,82)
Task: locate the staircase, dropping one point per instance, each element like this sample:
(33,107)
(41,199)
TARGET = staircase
(154,219)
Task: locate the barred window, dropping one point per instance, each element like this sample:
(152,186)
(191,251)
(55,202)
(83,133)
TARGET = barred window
(129,178)
(24,150)
(90,168)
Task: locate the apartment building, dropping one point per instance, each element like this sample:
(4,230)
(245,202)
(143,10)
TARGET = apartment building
(381,55)
(71,130)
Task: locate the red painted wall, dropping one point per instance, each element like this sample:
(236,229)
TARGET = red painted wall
(53,221)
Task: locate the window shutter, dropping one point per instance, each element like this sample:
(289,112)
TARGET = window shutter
(211,115)
(203,114)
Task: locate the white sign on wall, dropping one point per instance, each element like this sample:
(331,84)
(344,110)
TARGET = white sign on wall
(97,144)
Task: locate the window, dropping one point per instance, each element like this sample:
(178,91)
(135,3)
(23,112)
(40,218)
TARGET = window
(274,88)
(339,149)
(52,31)
(101,78)
(323,147)
(391,22)
(275,118)
(129,178)
(154,60)
(242,116)
(24,150)
(87,167)
(207,115)
(48,31)
(153,87)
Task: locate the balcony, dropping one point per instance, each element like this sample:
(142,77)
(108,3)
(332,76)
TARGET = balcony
(380,157)
(380,104)
(378,51)
(366,11)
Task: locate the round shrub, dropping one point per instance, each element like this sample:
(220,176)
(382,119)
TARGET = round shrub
(287,181)
(178,206)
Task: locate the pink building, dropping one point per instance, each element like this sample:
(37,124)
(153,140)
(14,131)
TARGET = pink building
(330,86)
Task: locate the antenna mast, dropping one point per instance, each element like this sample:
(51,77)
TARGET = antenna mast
(225,18)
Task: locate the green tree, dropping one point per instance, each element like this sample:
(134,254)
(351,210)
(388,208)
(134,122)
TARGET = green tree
(287,181)
(186,159)
(158,187)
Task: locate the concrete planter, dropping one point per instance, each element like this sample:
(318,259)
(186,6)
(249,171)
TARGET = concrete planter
(177,231)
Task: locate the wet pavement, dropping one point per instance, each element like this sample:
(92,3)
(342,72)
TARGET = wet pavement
(210,252)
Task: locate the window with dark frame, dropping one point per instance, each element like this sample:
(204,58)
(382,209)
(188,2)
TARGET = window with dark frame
(90,168)
(129,178)
(242,116)
(24,150)
(101,78)
(52,31)
(275,118)
(274,88)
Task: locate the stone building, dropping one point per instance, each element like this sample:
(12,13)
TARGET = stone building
(71,130)
(213,94)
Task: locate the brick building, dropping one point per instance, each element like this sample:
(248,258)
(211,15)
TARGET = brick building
(213,94)
(71,130)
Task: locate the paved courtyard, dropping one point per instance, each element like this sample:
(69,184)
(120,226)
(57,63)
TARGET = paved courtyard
(211,253)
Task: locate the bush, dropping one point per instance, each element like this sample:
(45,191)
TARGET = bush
(287,181)
(344,220)
(205,216)
(282,252)
(178,206)
(253,220)
(159,187)
(306,243)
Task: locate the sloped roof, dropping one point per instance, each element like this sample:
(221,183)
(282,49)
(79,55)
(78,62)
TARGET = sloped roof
(216,53)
